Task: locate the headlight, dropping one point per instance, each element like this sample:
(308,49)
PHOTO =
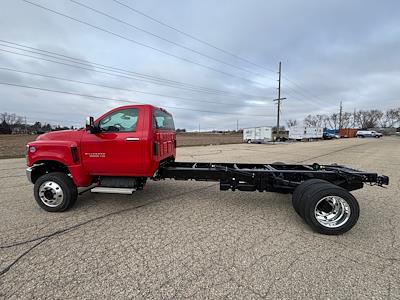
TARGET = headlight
(32,149)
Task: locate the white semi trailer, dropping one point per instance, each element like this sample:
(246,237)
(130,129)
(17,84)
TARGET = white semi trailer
(260,134)
(305,132)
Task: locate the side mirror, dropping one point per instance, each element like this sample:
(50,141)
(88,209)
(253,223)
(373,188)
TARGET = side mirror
(90,124)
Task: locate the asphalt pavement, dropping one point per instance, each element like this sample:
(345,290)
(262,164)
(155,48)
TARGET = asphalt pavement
(178,239)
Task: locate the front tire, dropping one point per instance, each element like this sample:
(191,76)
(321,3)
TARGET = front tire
(55,192)
(330,209)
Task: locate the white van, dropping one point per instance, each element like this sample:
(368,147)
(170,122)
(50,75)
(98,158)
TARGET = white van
(368,133)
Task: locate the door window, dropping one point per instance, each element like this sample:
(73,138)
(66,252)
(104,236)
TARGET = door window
(123,120)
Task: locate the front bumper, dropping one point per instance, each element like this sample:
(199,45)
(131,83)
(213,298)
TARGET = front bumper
(29,174)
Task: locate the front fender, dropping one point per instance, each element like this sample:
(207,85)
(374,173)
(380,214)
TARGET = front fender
(43,150)
(61,152)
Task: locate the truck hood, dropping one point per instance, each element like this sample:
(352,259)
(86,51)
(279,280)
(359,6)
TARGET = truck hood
(63,135)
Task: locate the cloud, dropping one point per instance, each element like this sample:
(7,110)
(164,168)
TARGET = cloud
(332,51)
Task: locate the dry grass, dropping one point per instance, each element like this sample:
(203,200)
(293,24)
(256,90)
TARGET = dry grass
(12,146)
(200,139)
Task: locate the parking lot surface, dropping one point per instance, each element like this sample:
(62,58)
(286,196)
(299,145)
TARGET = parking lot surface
(178,239)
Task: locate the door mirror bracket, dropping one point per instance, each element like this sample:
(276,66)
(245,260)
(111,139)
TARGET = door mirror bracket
(90,126)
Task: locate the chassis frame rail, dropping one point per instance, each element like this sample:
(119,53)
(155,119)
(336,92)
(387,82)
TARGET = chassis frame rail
(282,178)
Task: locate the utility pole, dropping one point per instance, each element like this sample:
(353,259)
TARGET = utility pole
(26,126)
(354,118)
(279,99)
(340,115)
(237,125)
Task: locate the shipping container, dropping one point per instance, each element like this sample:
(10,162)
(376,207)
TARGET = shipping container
(260,134)
(348,132)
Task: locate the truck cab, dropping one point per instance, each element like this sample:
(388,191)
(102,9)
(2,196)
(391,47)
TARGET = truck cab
(120,149)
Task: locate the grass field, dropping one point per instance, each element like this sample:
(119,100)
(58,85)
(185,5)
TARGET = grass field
(13,146)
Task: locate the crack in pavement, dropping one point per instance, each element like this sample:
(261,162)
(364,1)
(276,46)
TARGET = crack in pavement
(68,229)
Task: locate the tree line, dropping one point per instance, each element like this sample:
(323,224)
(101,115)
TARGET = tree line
(12,123)
(372,118)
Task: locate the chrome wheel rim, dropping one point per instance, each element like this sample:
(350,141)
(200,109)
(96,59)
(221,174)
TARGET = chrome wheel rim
(51,194)
(332,211)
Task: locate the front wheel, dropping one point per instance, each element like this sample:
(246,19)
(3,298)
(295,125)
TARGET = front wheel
(330,209)
(55,192)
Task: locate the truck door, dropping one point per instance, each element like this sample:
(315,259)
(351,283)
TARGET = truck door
(117,148)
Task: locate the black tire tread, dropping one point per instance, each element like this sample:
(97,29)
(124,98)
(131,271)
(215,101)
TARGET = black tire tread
(69,189)
(317,192)
(300,190)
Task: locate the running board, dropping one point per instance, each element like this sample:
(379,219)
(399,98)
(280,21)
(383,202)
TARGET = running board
(110,190)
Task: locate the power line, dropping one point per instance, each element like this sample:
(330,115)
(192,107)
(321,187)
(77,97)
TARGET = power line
(302,94)
(144,45)
(111,87)
(140,43)
(192,36)
(289,91)
(164,39)
(102,66)
(124,75)
(206,43)
(120,100)
(300,87)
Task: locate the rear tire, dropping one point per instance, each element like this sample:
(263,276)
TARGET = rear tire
(329,209)
(55,192)
(300,190)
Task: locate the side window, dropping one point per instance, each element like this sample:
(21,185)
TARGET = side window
(123,120)
(162,120)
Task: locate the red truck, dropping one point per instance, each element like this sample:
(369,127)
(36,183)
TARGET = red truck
(120,150)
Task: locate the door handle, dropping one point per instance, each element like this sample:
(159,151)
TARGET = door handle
(132,139)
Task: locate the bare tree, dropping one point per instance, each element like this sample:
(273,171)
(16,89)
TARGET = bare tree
(390,118)
(317,120)
(291,123)
(10,119)
(368,118)
(333,121)
(346,120)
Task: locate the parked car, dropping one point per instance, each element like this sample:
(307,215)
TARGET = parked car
(368,133)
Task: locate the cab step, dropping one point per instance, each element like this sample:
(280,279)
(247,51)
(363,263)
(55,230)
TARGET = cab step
(110,190)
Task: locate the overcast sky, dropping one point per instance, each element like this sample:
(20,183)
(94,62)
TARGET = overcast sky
(331,51)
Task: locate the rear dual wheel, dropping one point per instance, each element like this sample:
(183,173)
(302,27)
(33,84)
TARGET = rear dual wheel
(326,208)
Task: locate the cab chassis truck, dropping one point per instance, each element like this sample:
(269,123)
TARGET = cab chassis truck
(120,150)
